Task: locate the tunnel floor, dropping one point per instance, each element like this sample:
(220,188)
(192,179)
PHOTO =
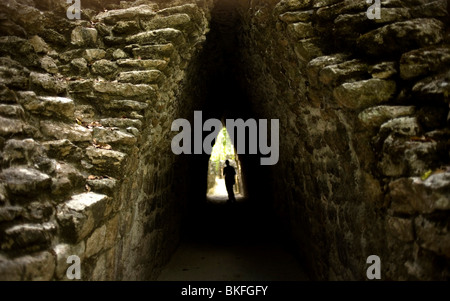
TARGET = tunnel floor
(232,242)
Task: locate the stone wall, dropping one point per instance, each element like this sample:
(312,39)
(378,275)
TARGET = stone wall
(86,108)
(364,151)
(85,115)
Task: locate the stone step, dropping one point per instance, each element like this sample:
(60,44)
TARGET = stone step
(49,106)
(13,111)
(11,127)
(297,16)
(421,61)
(176,21)
(10,213)
(365,93)
(414,195)
(374,117)
(336,74)
(126,28)
(13,75)
(26,236)
(132,64)
(62,149)
(6,95)
(190,9)
(25,181)
(104,68)
(113,136)
(36,267)
(106,161)
(60,130)
(141,77)
(104,185)
(24,151)
(121,122)
(126,90)
(160,52)
(158,36)
(48,83)
(125,105)
(80,215)
(113,16)
(66,178)
(388,39)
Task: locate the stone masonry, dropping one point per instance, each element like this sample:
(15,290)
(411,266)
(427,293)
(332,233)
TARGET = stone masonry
(85,115)
(86,108)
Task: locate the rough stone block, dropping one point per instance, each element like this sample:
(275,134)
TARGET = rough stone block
(157,36)
(140,77)
(177,21)
(49,106)
(411,195)
(80,215)
(383,70)
(125,105)
(332,74)
(105,186)
(13,111)
(432,236)
(119,54)
(106,160)
(7,95)
(61,149)
(374,117)
(67,178)
(308,49)
(24,180)
(126,27)
(9,213)
(49,64)
(95,243)
(104,67)
(125,89)
(430,9)
(13,75)
(114,16)
(21,151)
(313,68)
(60,130)
(297,16)
(94,54)
(142,64)
(79,66)
(84,37)
(163,51)
(402,36)
(401,228)
(39,45)
(25,236)
(422,61)
(112,230)
(301,30)
(113,136)
(407,126)
(435,87)
(363,94)
(36,267)
(121,122)
(48,83)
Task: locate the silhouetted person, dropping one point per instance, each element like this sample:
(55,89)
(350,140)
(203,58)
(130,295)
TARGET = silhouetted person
(229,173)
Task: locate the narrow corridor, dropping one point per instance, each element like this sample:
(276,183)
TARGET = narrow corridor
(232,243)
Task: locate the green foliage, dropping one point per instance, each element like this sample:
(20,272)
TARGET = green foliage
(223,149)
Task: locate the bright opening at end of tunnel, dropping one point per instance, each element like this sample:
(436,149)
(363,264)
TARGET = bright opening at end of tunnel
(223,150)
